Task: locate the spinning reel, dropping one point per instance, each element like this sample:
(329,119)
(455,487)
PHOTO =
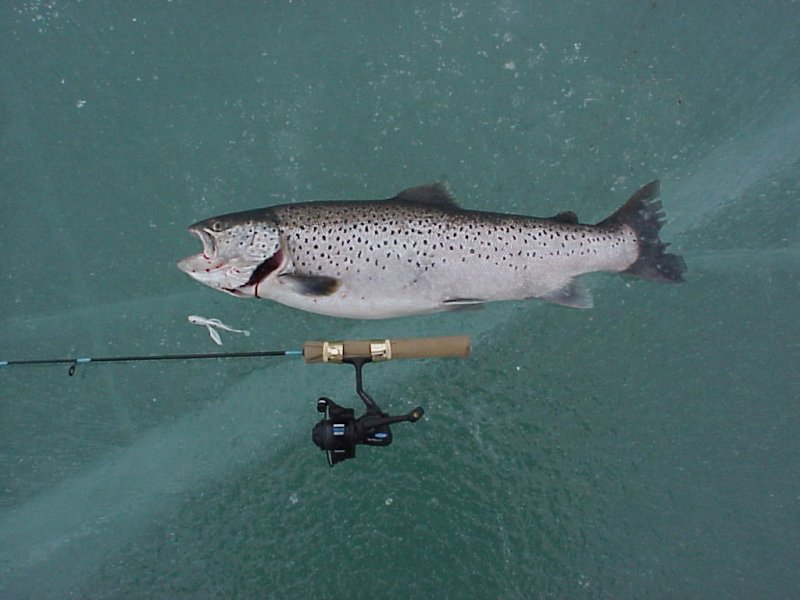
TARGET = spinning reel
(340,431)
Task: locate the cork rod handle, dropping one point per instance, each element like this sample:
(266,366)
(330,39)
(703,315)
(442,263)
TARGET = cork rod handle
(433,347)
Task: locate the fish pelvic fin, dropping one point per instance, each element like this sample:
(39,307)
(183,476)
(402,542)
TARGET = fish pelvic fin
(460,304)
(645,215)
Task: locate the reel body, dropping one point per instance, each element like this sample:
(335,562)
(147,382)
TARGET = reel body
(339,432)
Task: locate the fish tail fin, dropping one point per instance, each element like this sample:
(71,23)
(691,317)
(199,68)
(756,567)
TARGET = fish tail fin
(644,213)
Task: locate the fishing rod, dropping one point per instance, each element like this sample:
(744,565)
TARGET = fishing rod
(339,431)
(74,362)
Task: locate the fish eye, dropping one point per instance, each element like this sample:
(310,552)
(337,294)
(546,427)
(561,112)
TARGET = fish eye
(216,226)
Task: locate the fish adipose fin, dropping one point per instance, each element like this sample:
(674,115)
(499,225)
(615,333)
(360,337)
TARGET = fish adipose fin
(436,194)
(644,214)
(565,217)
(573,294)
(311,285)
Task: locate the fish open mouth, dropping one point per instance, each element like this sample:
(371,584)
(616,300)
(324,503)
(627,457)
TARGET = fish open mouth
(209,247)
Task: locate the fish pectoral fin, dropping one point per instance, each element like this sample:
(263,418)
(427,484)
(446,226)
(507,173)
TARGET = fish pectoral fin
(463,304)
(573,294)
(311,285)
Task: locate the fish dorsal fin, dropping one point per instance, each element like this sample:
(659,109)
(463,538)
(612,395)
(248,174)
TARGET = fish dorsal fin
(565,217)
(435,194)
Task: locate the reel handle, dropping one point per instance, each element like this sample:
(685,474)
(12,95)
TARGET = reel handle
(456,346)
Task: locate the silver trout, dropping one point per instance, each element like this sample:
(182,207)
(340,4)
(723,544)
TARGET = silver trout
(419,252)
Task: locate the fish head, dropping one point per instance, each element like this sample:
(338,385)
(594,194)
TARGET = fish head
(240,250)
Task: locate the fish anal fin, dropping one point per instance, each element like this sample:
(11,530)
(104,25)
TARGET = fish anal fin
(567,216)
(311,285)
(463,304)
(573,294)
(434,194)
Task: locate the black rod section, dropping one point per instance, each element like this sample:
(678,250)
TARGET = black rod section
(99,359)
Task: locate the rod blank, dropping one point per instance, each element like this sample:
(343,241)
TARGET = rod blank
(107,359)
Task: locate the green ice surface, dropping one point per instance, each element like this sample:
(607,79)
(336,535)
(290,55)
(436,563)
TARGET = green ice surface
(646,448)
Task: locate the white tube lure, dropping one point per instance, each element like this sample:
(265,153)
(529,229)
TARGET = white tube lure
(213,325)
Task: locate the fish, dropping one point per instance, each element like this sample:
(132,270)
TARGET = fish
(419,252)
